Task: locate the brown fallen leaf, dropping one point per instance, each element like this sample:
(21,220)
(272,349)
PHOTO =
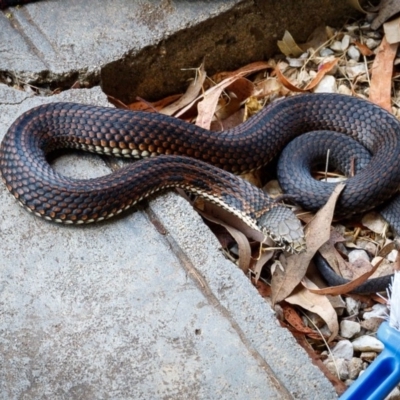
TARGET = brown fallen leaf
(356,4)
(317,232)
(331,255)
(259,263)
(381,75)
(317,304)
(364,49)
(263,289)
(392,31)
(322,71)
(296,323)
(288,45)
(347,287)
(190,95)
(207,106)
(143,105)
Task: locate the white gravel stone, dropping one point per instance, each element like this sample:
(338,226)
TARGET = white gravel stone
(325,52)
(394,394)
(372,43)
(343,349)
(349,328)
(353,53)
(378,311)
(367,343)
(345,42)
(355,70)
(327,85)
(343,89)
(339,366)
(357,254)
(355,366)
(368,356)
(336,46)
(371,248)
(352,306)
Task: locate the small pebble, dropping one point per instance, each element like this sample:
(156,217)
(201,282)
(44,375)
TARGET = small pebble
(374,35)
(336,46)
(353,53)
(394,394)
(377,311)
(367,343)
(355,366)
(371,324)
(295,62)
(372,43)
(371,248)
(368,356)
(357,254)
(345,42)
(326,52)
(327,85)
(344,89)
(352,306)
(339,366)
(349,328)
(348,382)
(343,349)
(355,70)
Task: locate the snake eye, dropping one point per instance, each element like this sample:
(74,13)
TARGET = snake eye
(282,225)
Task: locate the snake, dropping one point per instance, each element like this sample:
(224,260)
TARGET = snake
(175,153)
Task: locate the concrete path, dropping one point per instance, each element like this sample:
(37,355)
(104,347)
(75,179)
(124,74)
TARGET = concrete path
(140,307)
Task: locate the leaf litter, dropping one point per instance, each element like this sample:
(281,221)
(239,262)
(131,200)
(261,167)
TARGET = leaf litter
(355,60)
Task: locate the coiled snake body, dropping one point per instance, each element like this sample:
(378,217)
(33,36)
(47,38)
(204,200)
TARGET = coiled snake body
(193,158)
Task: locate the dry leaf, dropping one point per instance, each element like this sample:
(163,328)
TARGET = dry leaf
(260,262)
(392,31)
(191,93)
(143,105)
(347,287)
(317,38)
(295,321)
(206,107)
(288,45)
(375,222)
(322,71)
(263,289)
(364,49)
(356,4)
(381,75)
(317,232)
(317,304)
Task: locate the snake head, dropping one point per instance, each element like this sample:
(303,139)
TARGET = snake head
(284,228)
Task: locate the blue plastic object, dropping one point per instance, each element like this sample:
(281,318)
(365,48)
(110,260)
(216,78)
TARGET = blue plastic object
(382,376)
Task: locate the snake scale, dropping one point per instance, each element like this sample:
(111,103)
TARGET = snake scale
(195,159)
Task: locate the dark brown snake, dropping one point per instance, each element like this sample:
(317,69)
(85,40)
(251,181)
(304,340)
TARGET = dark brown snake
(193,158)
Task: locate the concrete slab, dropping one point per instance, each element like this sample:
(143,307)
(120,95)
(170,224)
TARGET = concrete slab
(140,48)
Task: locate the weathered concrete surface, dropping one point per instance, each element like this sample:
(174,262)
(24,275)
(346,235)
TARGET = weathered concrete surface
(140,48)
(132,308)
